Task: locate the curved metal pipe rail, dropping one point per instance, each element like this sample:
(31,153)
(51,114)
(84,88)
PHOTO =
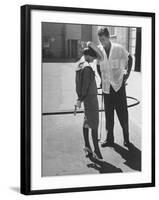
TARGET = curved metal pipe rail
(82,110)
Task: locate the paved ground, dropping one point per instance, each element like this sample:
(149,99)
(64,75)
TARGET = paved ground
(62,141)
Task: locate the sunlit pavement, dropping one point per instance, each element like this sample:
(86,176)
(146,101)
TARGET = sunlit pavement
(62,139)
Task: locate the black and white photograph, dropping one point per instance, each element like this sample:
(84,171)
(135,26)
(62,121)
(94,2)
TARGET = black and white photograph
(91,99)
(87,99)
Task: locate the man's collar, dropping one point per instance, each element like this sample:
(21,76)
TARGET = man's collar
(108,48)
(111,45)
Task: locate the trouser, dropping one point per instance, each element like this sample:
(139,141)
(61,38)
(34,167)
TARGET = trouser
(116,101)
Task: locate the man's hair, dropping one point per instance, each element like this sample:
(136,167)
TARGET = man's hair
(103,31)
(89,51)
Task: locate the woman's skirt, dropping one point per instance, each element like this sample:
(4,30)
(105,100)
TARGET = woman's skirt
(91,111)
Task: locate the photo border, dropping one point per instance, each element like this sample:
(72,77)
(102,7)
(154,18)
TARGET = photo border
(26,98)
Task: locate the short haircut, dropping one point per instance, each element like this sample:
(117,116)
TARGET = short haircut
(103,31)
(89,51)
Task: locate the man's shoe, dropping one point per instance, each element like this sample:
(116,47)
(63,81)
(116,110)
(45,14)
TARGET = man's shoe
(107,144)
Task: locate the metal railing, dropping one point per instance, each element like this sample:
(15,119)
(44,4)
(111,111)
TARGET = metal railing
(62,112)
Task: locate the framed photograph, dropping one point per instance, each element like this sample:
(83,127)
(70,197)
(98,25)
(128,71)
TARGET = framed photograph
(87,99)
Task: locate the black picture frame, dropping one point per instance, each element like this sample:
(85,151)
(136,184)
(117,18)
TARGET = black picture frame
(26,98)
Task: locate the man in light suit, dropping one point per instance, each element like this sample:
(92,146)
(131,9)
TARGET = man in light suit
(114,71)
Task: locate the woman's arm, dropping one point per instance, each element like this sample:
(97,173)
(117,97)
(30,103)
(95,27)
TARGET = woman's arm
(86,79)
(100,56)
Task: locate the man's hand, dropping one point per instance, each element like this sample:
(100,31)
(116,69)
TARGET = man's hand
(125,77)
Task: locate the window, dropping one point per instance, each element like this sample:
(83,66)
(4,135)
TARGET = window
(111,30)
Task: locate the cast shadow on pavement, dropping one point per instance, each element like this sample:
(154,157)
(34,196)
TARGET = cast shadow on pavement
(15,189)
(132,155)
(102,166)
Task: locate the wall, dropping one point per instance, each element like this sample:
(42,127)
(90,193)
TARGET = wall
(122,36)
(55,34)
(94,34)
(60,41)
(86,32)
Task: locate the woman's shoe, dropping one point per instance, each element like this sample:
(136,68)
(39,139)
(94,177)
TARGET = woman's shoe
(88,151)
(97,155)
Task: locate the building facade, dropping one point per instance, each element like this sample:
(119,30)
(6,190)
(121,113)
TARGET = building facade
(64,42)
